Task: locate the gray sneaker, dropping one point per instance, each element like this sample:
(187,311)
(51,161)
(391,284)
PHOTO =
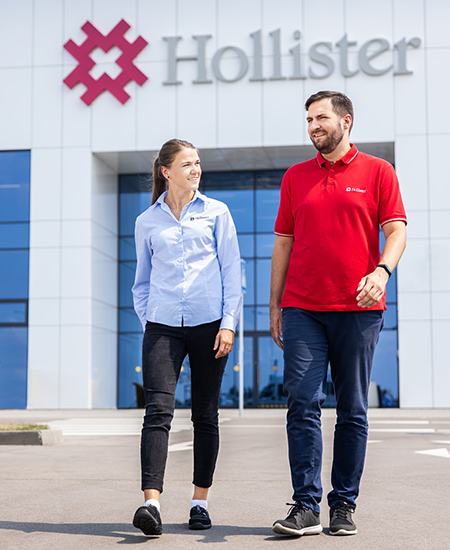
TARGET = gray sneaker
(341,522)
(301,520)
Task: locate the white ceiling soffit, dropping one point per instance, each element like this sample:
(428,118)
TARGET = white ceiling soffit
(242,158)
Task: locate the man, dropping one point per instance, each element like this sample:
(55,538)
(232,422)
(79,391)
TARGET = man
(327,304)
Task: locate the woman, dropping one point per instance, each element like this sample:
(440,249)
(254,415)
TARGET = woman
(187,294)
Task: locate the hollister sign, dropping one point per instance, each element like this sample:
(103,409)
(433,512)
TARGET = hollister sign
(230,64)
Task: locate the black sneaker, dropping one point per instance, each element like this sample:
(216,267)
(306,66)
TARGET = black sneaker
(148,520)
(199,518)
(300,520)
(341,522)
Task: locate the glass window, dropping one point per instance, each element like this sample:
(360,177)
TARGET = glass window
(270,365)
(385,370)
(267,202)
(13,367)
(13,313)
(246,245)
(14,186)
(262,281)
(14,235)
(130,372)
(264,245)
(126,282)
(14,274)
(128,320)
(240,204)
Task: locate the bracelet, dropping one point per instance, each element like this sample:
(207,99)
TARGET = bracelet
(386,268)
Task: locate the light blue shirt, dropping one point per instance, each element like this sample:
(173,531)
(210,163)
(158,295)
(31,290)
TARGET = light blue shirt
(188,270)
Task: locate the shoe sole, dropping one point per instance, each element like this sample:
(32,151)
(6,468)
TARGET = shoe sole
(199,526)
(341,532)
(282,530)
(147,525)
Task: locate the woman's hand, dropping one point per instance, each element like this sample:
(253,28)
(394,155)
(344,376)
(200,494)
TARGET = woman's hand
(224,342)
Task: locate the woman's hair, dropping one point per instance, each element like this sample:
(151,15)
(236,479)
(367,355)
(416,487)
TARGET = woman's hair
(165,158)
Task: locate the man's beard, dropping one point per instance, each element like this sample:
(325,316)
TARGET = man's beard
(329,144)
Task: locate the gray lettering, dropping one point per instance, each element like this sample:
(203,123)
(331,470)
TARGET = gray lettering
(401,47)
(172,42)
(364,56)
(276,35)
(296,54)
(343,46)
(257,57)
(243,64)
(321,58)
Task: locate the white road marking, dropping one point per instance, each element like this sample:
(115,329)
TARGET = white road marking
(442,453)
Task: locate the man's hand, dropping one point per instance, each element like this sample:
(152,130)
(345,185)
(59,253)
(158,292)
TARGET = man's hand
(371,288)
(224,342)
(275,326)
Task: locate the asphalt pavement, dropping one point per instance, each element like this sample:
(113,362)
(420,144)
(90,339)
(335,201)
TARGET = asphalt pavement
(82,493)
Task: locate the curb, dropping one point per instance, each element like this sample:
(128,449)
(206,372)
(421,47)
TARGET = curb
(32,437)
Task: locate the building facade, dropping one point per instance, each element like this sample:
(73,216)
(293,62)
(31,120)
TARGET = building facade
(90,89)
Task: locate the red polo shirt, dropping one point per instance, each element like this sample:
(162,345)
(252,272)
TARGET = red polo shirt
(334,212)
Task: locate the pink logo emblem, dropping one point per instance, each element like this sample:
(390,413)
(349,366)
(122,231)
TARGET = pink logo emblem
(95,39)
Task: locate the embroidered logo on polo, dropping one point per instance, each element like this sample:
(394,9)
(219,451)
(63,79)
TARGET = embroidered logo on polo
(355,190)
(82,53)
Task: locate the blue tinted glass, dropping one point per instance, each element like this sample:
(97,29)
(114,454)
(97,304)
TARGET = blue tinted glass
(267,202)
(130,357)
(229,394)
(262,318)
(246,246)
(264,245)
(13,367)
(385,368)
(126,281)
(249,318)
(13,274)
(14,186)
(14,235)
(390,317)
(13,313)
(240,204)
(131,205)
(262,281)
(129,321)
(391,289)
(249,296)
(127,249)
(271,368)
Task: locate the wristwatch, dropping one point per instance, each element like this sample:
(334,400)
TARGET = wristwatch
(386,268)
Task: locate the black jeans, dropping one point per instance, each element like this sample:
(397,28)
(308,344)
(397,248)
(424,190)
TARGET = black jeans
(164,349)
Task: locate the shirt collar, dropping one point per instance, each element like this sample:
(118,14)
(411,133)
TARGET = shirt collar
(197,195)
(346,159)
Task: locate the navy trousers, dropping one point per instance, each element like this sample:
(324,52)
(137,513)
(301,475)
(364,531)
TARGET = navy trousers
(346,341)
(163,351)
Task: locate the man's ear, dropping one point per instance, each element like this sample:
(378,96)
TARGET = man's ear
(347,122)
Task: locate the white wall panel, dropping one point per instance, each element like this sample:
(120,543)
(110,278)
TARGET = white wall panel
(75,386)
(418,224)
(441,330)
(44,312)
(76,272)
(414,306)
(75,311)
(46,185)
(45,234)
(15,108)
(408,18)
(232,29)
(47,123)
(437,16)
(76,183)
(416,260)
(317,27)
(45,272)
(411,165)
(440,303)
(438,85)
(440,265)
(415,364)
(410,116)
(364,20)
(16,31)
(103,376)
(48,34)
(43,367)
(154,28)
(439,146)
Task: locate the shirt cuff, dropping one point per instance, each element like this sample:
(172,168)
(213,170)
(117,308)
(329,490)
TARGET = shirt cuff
(228,323)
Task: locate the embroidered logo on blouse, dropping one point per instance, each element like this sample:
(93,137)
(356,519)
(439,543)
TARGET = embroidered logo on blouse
(193,218)
(355,190)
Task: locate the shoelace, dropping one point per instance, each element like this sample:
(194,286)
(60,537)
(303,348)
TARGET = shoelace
(294,507)
(342,510)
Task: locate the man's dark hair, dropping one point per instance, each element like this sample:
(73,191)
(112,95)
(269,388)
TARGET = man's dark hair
(342,105)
